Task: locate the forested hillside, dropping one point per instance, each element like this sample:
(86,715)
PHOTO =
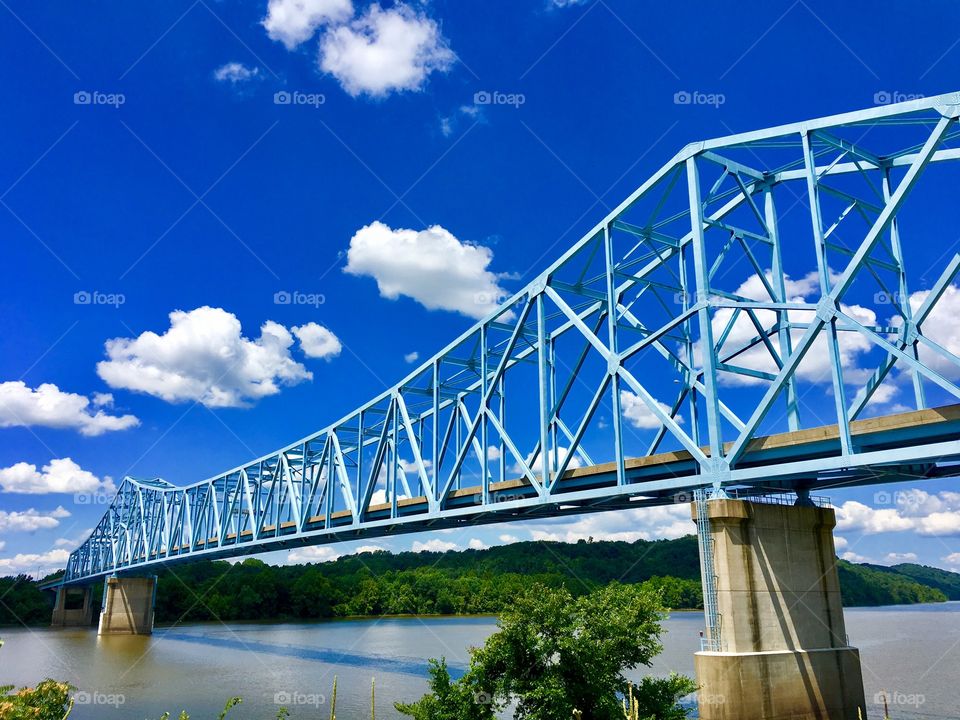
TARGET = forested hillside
(452,582)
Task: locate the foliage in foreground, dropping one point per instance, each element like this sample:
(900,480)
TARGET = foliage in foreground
(49,700)
(555,655)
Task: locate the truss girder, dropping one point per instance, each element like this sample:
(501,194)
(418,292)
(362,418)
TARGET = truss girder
(504,421)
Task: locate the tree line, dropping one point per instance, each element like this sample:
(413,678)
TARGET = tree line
(454,582)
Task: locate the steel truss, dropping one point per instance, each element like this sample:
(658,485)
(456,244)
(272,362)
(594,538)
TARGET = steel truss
(651,359)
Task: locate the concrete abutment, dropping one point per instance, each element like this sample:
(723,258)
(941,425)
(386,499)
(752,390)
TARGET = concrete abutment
(781,650)
(128,604)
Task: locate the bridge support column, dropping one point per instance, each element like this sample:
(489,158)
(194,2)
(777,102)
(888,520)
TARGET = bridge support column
(780,649)
(128,606)
(67,612)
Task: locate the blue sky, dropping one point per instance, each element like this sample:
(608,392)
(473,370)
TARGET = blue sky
(163,158)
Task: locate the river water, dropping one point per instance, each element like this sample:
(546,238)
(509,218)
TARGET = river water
(911,652)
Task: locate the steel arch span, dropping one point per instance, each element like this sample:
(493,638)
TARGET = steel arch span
(744,319)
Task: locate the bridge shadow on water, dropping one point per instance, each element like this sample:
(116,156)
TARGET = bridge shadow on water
(383,663)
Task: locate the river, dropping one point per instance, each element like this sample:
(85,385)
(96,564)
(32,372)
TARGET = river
(911,652)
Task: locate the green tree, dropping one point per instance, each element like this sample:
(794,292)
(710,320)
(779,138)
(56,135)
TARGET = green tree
(554,655)
(448,700)
(49,700)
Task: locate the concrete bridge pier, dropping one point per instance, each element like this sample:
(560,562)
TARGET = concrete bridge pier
(779,648)
(128,606)
(68,612)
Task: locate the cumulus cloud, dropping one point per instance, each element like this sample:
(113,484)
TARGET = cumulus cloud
(235,73)
(434,545)
(953,560)
(666,522)
(31,520)
(431,266)
(507,539)
(476,544)
(853,515)
(639,414)
(61,475)
(29,563)
(411,357)
(293,22)
(853,557)
(894,558)
(384,51)
(49,406)
(926,514)
(316,341)
(815,366)
(312,554)
(204,356)
(941,327)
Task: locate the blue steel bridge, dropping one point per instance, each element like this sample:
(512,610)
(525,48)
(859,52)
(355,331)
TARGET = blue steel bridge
(761,314)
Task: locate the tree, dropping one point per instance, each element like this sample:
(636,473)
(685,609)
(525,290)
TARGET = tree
(448,700)
(554,655)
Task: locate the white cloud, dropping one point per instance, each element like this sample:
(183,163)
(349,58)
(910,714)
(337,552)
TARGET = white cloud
(953,560)
(48,406)
(384,51)
(853,515)
(293,22)
(31,520)
(431,266)
(476,544)
(411,357)
(639,414)
(450,123)
(434,545)
(493,453)
(235,73)
(931,515)
(507,539)
(316,341)
(668,521)
(312,554)
(853,557)
(815,366)
(894,558)
(839,543)
(33,562)
(61,475)
(203,356)
(941,327)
